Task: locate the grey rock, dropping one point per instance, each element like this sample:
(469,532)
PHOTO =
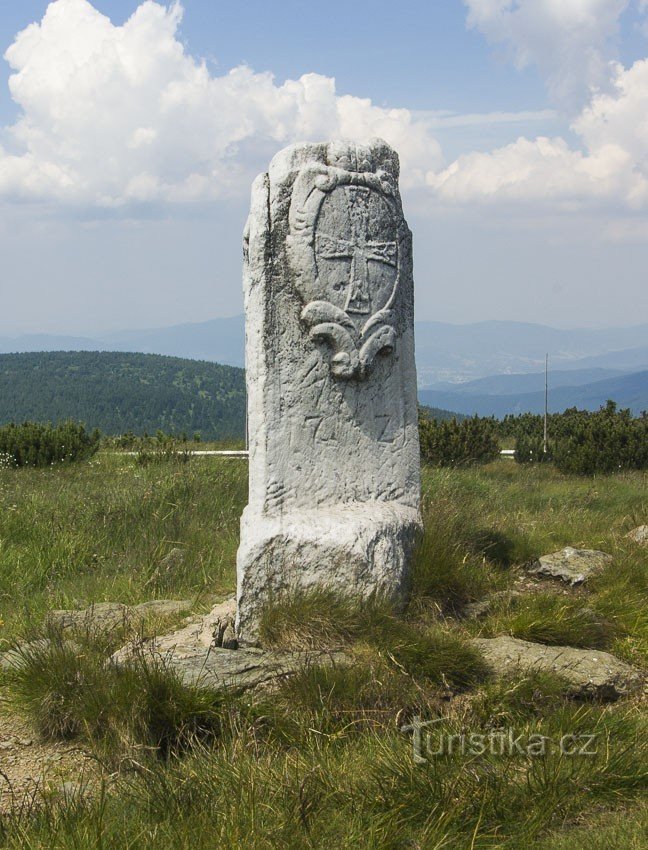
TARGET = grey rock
(476,610)
(639,535)
(14,658)
(194,654)
(332,404)
(105,616)
(571,565)
(589,673)
(229,640)
(248,667)
(201,633)
(220,623)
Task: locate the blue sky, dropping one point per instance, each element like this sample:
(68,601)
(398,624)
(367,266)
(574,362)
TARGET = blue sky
(129,145)
(414,54)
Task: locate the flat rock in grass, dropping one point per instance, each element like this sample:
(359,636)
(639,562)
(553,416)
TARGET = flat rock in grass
(639,535)
(201,633)
(573,566)
(14,658)
(589,673)
(224,669)
(104,616)
(203,653)
(477,610)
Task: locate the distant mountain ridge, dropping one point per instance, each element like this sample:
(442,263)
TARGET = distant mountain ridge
(627,390)
(217,340)
(444,352)
(526,383)
(120,391)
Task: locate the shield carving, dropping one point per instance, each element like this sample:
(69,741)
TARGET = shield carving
(346,230)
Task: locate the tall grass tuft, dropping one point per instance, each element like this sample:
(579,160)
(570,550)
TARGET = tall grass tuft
(74,692)
(552,619)
(454,562)
(323,619)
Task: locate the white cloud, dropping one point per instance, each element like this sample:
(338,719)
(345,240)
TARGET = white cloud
(571,42)
(611,167)
(118,114)
(443,119)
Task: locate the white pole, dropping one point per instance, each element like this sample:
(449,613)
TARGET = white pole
(544,447)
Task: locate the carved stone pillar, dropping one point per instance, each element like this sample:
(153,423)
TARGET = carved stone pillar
(332,406)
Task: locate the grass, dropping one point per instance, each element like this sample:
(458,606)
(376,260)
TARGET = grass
(325,620)
(94,532)
(359,791)
(626,828)
(320,761)
(550,618)
(73,692)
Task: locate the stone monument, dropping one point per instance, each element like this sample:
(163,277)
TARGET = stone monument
(331,380)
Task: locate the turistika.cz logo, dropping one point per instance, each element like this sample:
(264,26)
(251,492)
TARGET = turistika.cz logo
(430,740)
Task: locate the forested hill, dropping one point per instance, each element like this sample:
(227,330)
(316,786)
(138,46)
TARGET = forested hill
(119,392)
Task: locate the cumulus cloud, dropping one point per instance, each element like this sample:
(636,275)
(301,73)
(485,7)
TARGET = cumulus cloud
(610,166)
(118,114)
(571,42)
(115,116)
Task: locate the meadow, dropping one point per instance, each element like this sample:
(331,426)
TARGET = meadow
(320,760)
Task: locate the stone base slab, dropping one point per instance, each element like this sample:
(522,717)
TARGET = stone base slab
(359,548)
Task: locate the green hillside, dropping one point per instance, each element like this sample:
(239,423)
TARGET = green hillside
(440,414)
(118,392)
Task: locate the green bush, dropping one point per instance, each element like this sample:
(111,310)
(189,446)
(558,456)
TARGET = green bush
(529,448)
(581,442)
(602,442)
(458,443)
(34,444)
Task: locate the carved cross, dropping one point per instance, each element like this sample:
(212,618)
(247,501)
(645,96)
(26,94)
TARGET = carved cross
(359,249)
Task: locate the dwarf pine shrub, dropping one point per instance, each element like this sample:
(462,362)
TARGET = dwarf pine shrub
(582,442)
(458,443)
(36,444)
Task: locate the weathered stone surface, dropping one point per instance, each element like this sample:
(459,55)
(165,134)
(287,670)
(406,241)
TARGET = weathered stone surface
(571,565)
(639,535)
(194,651)
(229,640)
(221,623)
(16,657)
(202,633)
(589,672)
(249,667)
(332,407)
(476,610)
(104,616)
